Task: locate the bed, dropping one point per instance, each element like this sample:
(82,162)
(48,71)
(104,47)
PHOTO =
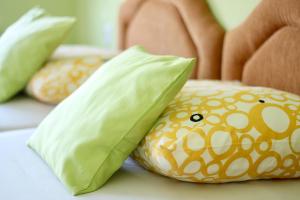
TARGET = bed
(24,176)
(186,28)
(22,112)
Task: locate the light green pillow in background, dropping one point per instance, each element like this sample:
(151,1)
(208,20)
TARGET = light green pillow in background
(89,135)
(26,45)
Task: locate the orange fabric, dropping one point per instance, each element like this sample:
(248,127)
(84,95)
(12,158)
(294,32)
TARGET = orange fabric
(265,50)
(173,27)
(262,51)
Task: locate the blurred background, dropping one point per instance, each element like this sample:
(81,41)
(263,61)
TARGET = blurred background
(96,19)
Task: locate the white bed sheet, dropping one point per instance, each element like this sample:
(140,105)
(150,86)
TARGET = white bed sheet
(22,112)
(24,176)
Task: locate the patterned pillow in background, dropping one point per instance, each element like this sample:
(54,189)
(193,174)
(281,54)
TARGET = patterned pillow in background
(61,77)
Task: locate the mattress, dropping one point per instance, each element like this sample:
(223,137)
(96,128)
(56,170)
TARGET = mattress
(69,51)
(22,112)
(24,176)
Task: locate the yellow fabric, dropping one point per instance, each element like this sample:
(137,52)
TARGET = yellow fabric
(214,132)
(59,78)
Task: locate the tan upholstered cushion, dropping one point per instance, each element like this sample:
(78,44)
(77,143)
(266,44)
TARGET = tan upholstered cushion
(265,49)
(184,28)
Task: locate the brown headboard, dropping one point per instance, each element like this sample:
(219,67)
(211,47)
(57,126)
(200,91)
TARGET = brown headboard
(177,27)
(264,50)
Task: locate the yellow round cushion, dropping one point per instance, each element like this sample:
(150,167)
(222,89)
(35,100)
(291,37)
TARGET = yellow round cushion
(59,78)
(214,132)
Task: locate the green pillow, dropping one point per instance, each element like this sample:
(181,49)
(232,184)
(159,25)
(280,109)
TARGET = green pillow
(26,45)
(89,135)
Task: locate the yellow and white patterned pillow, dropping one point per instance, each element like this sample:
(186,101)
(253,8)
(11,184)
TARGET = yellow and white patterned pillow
(214,133)
(59,78)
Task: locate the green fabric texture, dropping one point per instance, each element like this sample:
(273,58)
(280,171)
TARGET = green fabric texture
(231,13)
(89,135)
(26,45)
